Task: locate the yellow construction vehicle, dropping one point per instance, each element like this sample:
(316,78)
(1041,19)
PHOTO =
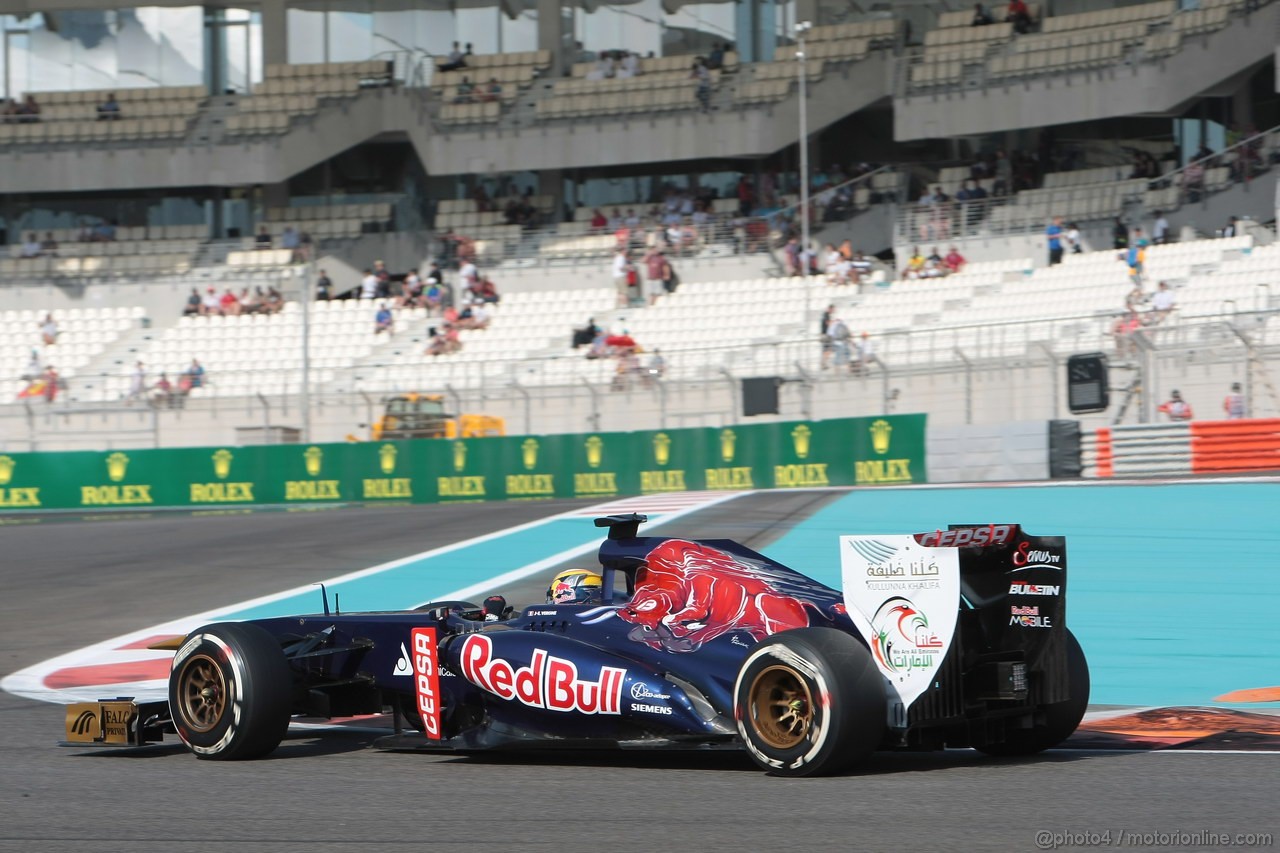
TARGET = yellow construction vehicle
(414,415)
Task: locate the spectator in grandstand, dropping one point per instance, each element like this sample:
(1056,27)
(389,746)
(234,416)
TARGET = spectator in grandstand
(629,67)
(162,393)
(434,296)
(934,265)
(251,302)
(791,255)
(666,275)
(492,91)
(474,316)
(1123,331)
(841,272)
(865,355)
(1135,298)
(263,239)
(915,264)
(109,110)
(229,304)
(31,246)
(1004,174)
(954,261)
(137,384)
(1134,257)
(29,110)
(49,330)
(49,246)
(411,291)
(1162,302)
(1160,230)
(1193,181)
(33,369)
(105,232)
(824,333)
(195,374)
(701,76)
(192,306)
(384,321)
(980,16)
(1053,234)
(463,92)
(1119,234)
(585,335)
(1234,403)
(746,192)
(841,342)
(444,341)
(623,272)
(369,285)
(324,287)
(383,275)
(273,302)
(604,68)
(468,276)
(715,59)
(861,267)
(970,192)
(1176,408)
(455,60)
(289,240)
(1072,240)
(655,369)
(52,384)
(209,304)
(1232,229)
(485,291)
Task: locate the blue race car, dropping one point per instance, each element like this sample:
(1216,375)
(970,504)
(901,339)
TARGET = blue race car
(950,638)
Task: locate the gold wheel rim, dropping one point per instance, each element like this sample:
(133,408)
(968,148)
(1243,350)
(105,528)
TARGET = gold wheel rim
(781,707)
(202,693)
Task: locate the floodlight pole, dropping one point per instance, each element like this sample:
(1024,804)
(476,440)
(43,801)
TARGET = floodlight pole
(802,65)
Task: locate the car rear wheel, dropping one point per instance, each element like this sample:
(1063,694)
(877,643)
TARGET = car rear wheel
(1060,720)
(230,692)
(809,702)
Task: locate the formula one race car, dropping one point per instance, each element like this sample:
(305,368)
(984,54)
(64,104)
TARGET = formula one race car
(944,639)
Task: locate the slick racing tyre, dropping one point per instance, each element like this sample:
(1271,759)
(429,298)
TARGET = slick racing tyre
(230,692)
(1060,720)
(809,702)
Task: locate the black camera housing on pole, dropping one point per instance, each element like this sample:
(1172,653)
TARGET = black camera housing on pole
(1087,387)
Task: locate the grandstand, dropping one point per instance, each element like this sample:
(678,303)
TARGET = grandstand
(352,151)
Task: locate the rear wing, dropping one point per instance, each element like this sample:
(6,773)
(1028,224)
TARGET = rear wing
(908,594)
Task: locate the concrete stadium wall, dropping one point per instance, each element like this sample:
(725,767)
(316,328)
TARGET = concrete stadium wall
(1122,90)
(988,452)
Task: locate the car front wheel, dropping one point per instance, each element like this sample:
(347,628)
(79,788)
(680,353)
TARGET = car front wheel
(230,692)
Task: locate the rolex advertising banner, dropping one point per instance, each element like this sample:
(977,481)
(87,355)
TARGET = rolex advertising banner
(886,450)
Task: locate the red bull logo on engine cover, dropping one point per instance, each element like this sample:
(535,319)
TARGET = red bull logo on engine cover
(547,682)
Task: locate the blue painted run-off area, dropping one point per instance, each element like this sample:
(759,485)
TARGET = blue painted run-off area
(1173,589)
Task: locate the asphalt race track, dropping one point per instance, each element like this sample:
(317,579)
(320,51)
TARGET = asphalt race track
(68,583)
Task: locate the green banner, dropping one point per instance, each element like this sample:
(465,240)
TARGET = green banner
(887,450)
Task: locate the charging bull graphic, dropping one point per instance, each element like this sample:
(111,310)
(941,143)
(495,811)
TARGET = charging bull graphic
(688,594)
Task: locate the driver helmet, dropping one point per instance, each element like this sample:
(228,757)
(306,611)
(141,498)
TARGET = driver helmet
(575,586)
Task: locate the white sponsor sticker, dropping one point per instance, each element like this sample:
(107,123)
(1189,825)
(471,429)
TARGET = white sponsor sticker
(903,598)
